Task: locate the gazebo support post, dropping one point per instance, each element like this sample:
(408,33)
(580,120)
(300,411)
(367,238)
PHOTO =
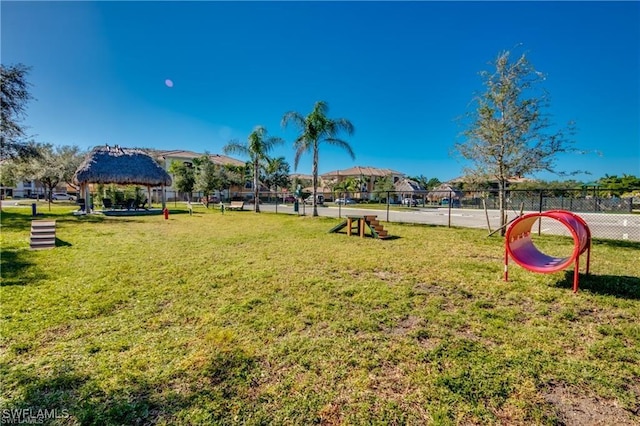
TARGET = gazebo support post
(81,191)
(149,196)
(87,201)
(164,198)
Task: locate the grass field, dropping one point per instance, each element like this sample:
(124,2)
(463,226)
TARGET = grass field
(248,318)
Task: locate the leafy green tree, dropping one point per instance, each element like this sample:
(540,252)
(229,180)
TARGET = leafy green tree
(553,188)
(257,148)
(50,166)
(223,179)
(238,175)
(616,186)
(206,175)
(13,99)
(314,129)
(383,185)
(509,135)
(276,173)
(433,183)
(348,186)
(426,183)
(184,177)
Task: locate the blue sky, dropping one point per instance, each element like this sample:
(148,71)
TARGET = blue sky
(400,71)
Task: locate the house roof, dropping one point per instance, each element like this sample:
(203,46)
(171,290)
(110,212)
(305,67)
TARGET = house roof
(190,155)
(361,171)
(300,176)
(443,190)
(408,185)
(125,166)
(515,179)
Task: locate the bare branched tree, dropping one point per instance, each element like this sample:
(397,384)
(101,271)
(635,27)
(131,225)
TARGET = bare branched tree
(509,135)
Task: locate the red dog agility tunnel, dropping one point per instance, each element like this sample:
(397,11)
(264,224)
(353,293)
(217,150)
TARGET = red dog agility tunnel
(519,245)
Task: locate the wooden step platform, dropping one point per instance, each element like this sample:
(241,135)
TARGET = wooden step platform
(360,223)
(377,230)
(43,234)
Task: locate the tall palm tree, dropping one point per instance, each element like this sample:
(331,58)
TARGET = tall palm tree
(315,128)
(257,147)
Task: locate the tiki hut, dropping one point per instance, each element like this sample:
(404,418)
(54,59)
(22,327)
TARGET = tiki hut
(445,190)
(122,166)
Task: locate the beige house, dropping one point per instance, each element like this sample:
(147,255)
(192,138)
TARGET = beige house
(367,175)
(167,157)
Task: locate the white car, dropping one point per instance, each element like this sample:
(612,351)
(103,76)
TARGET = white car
(319,199)
(62,196)
(409,202)
(345,201)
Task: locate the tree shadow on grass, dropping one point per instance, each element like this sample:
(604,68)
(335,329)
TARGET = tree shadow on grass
(15,265)
(16,220)
(213,388)
(617,243)
(622,286)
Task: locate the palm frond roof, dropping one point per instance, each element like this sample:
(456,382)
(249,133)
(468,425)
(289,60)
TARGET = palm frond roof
(124,166)
(408,185)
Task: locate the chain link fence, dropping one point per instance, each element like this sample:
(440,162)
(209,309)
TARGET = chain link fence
(608,216)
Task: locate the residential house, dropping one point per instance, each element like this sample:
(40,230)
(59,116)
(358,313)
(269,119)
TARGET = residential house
(366,175)
(407,188)
(446,190)
(167,157)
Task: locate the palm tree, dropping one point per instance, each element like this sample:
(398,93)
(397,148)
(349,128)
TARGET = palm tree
(257,147)
(276,174)
(315,128)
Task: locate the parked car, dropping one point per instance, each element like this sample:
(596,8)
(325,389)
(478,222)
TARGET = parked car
(454,203)
(289,199)
(62,196)
(345,201)
(319,199)
(409,202)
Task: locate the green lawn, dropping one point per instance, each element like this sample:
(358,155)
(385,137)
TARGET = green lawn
(268,319)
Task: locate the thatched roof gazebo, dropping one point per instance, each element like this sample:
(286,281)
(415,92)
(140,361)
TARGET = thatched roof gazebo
(445,190)
(122,166)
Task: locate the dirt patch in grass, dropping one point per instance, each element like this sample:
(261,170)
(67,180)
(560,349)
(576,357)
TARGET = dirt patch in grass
(405,326)
(573,409)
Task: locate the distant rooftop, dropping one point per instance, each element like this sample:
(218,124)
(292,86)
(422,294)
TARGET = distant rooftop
(190,155)
(362,171)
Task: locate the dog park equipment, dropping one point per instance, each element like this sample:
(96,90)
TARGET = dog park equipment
(360,223)
(520,247)
(43,234)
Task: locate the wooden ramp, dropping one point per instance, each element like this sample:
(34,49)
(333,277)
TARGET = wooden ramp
(43,234)
(370,221)
(338,227)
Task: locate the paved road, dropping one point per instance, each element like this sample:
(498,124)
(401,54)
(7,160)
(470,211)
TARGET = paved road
(612,226)
(602,225)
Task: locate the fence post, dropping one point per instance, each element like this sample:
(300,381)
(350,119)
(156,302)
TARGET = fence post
(388,195)
(540,211)
(450,202)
